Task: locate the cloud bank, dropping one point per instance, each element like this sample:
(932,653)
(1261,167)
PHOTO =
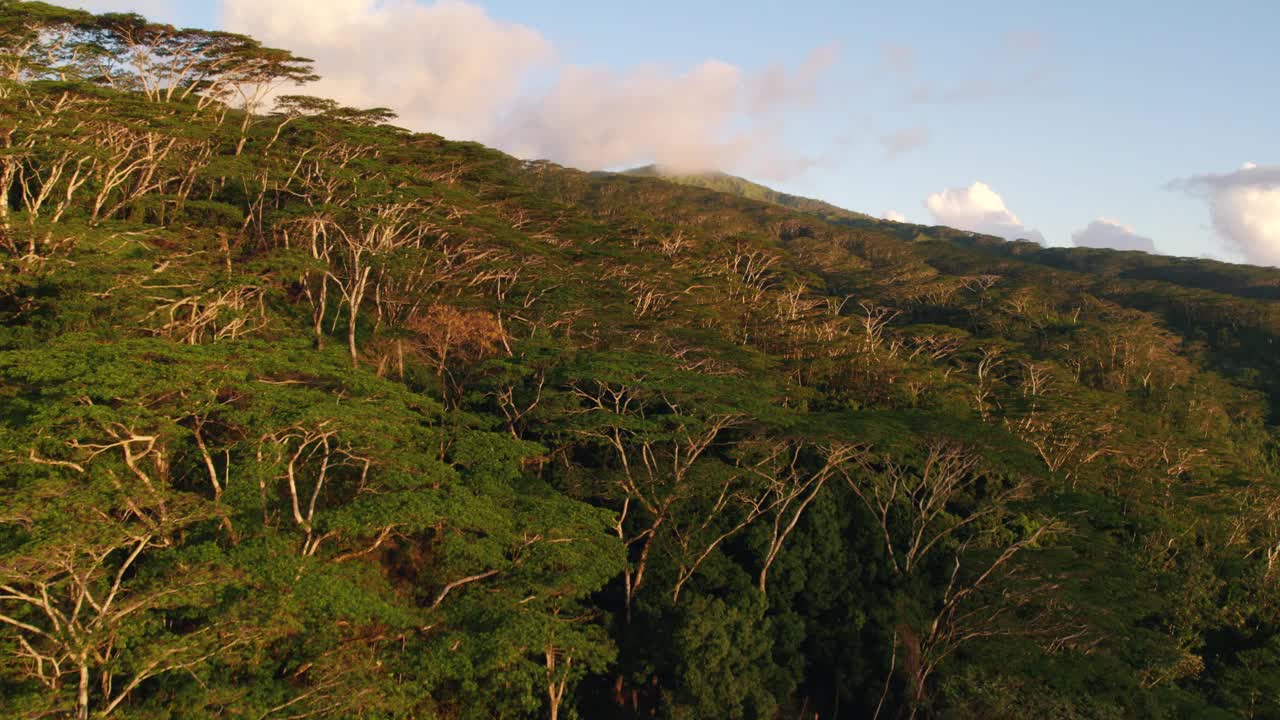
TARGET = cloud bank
(1113,235)
(601,118)
(1245,207)
(449,67)
(979,209)
(446,67)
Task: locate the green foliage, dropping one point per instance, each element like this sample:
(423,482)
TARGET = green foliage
(306,415)
(720,182)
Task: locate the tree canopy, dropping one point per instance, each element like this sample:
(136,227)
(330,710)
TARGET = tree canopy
(307,415)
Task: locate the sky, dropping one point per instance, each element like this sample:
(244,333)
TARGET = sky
(1127,124)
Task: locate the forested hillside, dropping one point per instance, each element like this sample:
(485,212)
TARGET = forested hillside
(308,416)
(725,183)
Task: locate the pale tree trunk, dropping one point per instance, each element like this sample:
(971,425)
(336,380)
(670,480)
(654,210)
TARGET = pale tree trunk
(8,173)
(556,685)
(82,703)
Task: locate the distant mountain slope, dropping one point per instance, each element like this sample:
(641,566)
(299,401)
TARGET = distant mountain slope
(733,185)
(1247,281)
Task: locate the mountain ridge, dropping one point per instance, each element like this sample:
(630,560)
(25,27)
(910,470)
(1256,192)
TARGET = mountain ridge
(734,185)
(1205,273)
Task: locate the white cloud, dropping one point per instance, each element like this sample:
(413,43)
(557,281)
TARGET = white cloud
(979,209)
(1112,234)
(893,216)
(1245,207)
(601,118)
(904,141)
(711,117)
(449,67)
(777,86)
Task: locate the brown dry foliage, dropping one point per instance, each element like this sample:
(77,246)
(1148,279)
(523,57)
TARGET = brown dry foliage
(445,332)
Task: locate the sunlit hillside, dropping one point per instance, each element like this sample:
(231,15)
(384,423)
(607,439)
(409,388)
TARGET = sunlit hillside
(306,415)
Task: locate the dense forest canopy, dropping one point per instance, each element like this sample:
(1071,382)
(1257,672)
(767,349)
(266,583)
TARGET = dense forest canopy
(309,416)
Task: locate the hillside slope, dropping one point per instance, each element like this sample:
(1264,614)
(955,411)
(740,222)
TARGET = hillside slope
(1170,287)
(733,185)
(1201,273)
(306,415)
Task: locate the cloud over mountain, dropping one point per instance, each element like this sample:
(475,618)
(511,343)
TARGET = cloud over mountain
(1113,235)
(1245,207)
(980,209)
(450,67)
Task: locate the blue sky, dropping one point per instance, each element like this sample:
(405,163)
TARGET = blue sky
(1068,111)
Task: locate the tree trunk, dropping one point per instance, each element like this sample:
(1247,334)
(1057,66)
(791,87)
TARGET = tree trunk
(82,703)
(556,685)
(8,173)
